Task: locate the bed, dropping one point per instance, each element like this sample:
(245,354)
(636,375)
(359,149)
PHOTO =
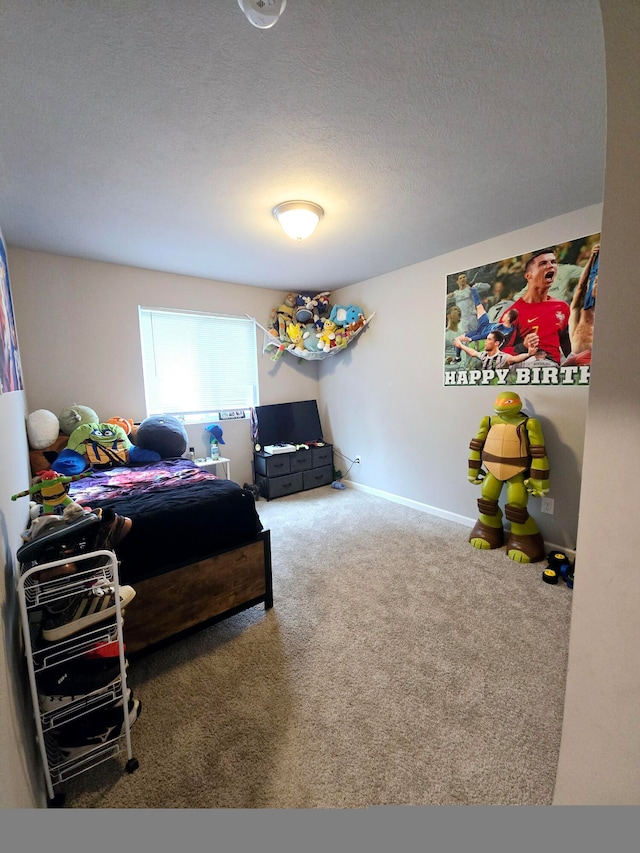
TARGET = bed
(196,552)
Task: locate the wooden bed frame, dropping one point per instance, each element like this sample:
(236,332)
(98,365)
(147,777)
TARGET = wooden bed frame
(174,604)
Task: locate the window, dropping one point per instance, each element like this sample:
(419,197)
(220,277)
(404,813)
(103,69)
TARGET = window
(195,364)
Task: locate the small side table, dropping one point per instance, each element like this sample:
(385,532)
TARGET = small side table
(212,464)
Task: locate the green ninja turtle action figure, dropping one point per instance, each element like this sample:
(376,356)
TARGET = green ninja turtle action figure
(510,445)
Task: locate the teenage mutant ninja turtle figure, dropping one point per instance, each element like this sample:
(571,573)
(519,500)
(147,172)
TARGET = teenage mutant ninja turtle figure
(510,446)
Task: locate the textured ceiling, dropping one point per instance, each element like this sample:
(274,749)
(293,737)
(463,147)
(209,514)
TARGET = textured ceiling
(161,133)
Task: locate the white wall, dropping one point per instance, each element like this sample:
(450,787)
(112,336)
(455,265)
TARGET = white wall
(78,326)
(600,750)
(384,398)
(21,781)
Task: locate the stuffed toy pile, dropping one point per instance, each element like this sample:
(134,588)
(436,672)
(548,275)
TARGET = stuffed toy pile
(305,323)
(77,440)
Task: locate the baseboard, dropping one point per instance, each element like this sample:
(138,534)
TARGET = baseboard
(443,513)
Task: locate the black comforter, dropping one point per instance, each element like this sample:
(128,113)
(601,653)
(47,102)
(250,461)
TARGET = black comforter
(180,513)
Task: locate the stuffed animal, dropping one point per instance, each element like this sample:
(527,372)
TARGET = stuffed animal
(53,490)
(282,315)
(327,337)
(164,434)
(125,423)
(310,339)
(294,333)
(351,328)
(342,315)
(341,337)
(304,308)
(76,415)
(103,445)
(322,309)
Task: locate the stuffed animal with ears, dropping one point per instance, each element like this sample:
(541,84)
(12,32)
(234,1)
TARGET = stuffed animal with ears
(304,308)
(75,416)
(310,340)
(322,309)
(294,333)
(343,315)
(282,315)
(351,328)
(327,337)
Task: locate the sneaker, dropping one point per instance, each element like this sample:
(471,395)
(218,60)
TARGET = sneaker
(54,701)
(112,529)
(76,677)
(94,729)
(66,617)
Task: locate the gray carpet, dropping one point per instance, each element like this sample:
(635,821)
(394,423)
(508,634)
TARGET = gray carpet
(398,666)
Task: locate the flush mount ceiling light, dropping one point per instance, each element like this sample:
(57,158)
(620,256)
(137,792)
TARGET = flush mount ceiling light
(298,218)
(262,13)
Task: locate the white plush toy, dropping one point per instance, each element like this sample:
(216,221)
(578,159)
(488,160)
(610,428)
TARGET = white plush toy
(43,427)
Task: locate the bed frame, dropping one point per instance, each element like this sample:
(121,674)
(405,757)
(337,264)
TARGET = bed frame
(194,596)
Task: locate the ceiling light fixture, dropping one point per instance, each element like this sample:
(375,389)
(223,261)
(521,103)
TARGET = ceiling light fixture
(262,13)
(298,218)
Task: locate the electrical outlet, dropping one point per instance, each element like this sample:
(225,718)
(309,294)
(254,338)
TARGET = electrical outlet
(358,460)
(547,505)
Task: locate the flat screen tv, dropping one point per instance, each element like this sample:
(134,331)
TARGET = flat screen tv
(292,423)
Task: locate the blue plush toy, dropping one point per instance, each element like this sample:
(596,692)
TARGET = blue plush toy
(343,315)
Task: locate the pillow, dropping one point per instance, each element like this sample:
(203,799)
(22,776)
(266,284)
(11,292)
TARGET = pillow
(163,433)
(43,427)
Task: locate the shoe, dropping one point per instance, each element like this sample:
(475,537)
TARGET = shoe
(112,529)
(94,729)
(59,685)
(54,701)
(76,677)
(70,615)
(52,538)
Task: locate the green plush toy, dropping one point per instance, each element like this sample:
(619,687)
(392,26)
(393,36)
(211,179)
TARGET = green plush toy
(75,416)
(105,446)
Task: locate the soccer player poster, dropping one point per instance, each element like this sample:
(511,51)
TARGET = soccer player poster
(524,320)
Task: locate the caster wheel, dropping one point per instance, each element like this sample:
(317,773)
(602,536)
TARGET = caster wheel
(56,802)
(557,559)
(550,576)
(132,765)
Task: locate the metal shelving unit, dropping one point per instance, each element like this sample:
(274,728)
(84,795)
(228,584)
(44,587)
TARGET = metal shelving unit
(97,571)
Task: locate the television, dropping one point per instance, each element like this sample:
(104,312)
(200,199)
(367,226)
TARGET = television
(290,423)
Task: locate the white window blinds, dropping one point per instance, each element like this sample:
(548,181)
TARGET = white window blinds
(196,362)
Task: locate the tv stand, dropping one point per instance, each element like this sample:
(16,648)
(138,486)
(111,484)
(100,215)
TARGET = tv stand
(286,473)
